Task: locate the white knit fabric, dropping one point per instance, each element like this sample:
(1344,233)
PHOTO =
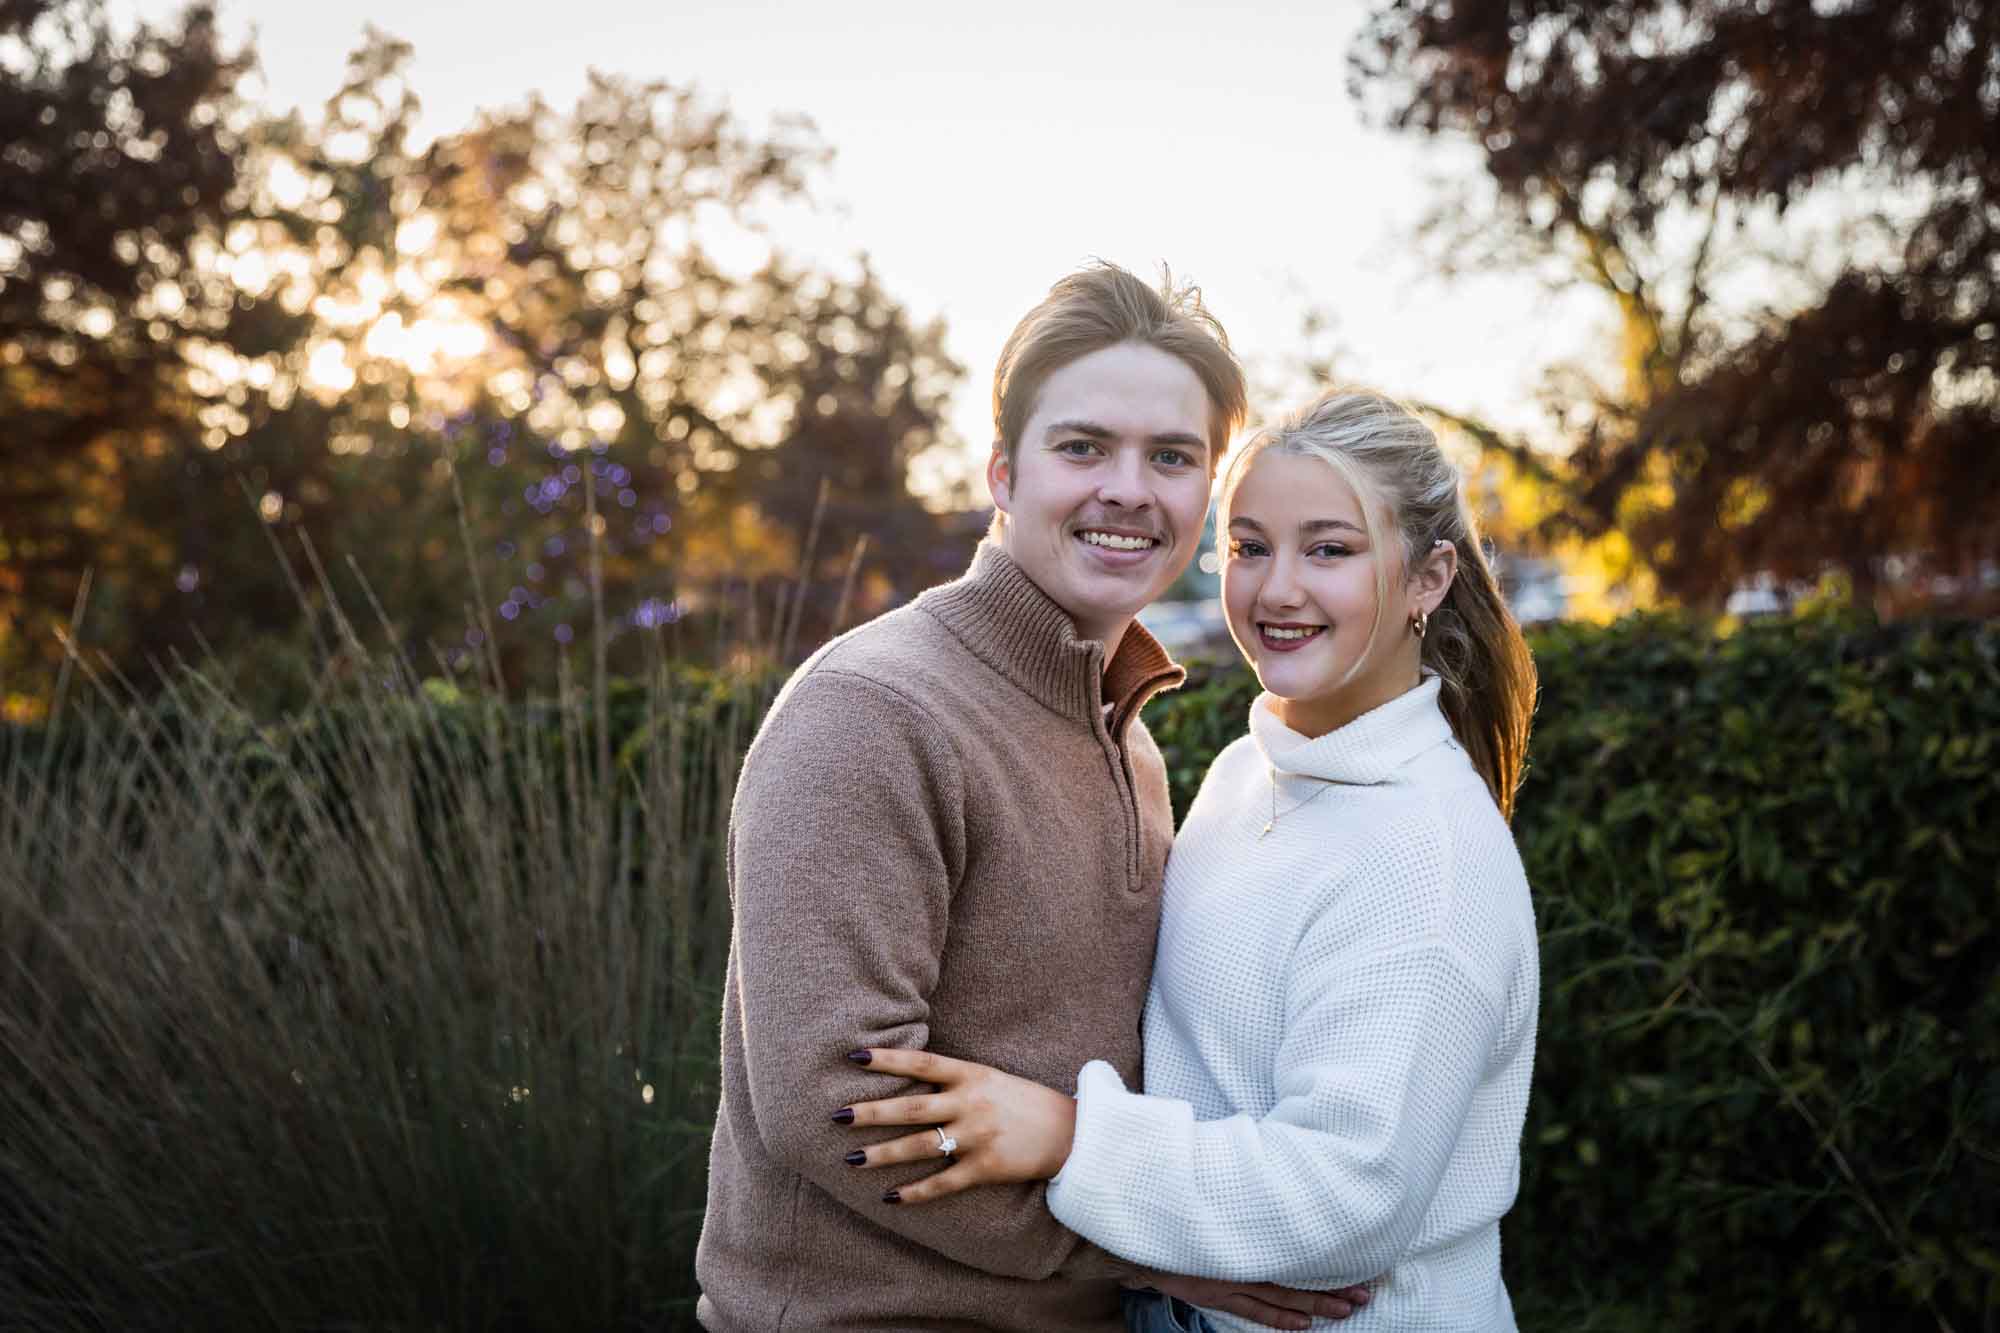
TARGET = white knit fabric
(1339,1034)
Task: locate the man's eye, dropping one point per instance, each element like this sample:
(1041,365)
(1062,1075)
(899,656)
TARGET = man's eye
(1077,448)
(1174,457)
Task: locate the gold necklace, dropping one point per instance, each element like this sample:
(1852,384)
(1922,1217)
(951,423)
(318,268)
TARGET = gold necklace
(1275,816)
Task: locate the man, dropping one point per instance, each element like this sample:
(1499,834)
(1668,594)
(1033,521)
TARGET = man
(950,833)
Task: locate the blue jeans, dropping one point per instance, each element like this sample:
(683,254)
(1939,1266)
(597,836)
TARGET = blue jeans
(1155,1312)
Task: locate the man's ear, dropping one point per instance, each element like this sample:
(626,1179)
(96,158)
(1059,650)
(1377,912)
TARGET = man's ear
(1000,478)
(1431,579)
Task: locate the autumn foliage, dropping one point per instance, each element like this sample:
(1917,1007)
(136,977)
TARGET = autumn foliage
(1794,208)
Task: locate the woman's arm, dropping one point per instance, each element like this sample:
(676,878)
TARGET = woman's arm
(1396,996)
(1375,1074)
(1378,1065)
(1006,1129)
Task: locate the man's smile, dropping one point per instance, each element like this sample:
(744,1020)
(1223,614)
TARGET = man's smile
(1112,540)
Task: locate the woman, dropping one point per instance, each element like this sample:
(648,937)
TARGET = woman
(1340,1030)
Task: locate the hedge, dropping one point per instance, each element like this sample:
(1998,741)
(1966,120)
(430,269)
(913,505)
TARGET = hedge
(1766,1095)
(1766,866)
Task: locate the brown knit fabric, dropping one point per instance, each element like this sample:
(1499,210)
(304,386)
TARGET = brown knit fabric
(939,840)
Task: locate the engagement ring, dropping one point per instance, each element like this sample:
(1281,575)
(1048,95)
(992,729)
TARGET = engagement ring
(947,1145)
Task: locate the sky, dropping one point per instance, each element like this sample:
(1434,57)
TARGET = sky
(983,151)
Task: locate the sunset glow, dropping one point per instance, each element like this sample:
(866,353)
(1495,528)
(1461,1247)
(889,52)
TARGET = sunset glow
(1263,187)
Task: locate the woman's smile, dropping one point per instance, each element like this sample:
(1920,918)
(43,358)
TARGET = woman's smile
(1286,636)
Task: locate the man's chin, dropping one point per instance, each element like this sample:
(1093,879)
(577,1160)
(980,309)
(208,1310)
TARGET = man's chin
(1099,595)
(1138,584)
(1118,610)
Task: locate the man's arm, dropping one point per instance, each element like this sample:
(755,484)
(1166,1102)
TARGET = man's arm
(1266,1303)
(847,838)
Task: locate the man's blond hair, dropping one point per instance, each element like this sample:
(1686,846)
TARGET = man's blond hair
(1102,306)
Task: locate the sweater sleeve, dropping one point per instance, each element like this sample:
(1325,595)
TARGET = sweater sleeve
(1376,1069)
(847,837)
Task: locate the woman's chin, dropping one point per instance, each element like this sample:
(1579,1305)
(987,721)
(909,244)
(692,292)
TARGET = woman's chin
(1286,682)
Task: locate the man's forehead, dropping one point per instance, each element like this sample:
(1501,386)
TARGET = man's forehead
(1124,395)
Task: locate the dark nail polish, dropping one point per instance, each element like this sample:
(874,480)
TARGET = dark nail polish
(855,1158)
(860,1057)
(891,1196)
(844,1116)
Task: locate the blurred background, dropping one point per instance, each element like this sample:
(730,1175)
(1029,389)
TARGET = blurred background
(429,432)
(1704,293)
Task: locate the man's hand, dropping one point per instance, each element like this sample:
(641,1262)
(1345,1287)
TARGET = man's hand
(1265,1302)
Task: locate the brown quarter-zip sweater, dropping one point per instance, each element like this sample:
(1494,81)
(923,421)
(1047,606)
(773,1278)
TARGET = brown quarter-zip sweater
(943,839)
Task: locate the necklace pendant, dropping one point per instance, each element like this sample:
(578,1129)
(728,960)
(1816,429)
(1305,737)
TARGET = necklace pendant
(1267,827)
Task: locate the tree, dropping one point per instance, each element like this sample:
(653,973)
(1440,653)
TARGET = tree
(1794,398)
(719,397)
(121,155)
(529,315)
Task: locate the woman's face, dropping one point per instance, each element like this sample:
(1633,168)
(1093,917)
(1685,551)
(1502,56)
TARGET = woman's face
(1299,587)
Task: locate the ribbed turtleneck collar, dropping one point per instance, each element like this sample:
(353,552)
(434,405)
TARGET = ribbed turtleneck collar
(1009,623)
(1365,751)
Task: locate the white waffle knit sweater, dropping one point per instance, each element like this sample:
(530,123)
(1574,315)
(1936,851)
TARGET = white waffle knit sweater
(1339,1034)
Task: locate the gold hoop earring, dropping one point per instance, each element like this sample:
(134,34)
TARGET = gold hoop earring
(1419,622)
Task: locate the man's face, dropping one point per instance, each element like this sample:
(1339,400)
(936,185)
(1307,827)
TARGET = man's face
(1109,484)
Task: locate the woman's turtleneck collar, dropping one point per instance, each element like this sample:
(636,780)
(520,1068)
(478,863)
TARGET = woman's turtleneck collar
(1365,751)
(1009,623)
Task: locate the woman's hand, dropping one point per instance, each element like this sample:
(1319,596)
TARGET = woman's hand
(1006,1129)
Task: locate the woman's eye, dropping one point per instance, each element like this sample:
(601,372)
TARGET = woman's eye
(1238,547)
(1328,551)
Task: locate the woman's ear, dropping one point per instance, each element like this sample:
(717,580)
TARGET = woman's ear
(1431,579)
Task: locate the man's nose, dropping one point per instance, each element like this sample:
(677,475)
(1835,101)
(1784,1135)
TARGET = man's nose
(1124,483)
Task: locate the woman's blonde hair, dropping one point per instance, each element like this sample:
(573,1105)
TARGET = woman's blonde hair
(1402,478)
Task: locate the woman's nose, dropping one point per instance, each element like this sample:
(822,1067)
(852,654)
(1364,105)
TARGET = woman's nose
(1281,586)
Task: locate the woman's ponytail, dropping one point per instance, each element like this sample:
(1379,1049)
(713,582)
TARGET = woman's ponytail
(1486,674)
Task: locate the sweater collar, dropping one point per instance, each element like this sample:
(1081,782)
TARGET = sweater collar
(1009,623)
(1367,750)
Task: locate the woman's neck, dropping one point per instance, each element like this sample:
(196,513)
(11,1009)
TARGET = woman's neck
(1320,714)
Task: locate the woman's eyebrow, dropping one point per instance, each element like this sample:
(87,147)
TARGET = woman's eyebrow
(1311,527)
